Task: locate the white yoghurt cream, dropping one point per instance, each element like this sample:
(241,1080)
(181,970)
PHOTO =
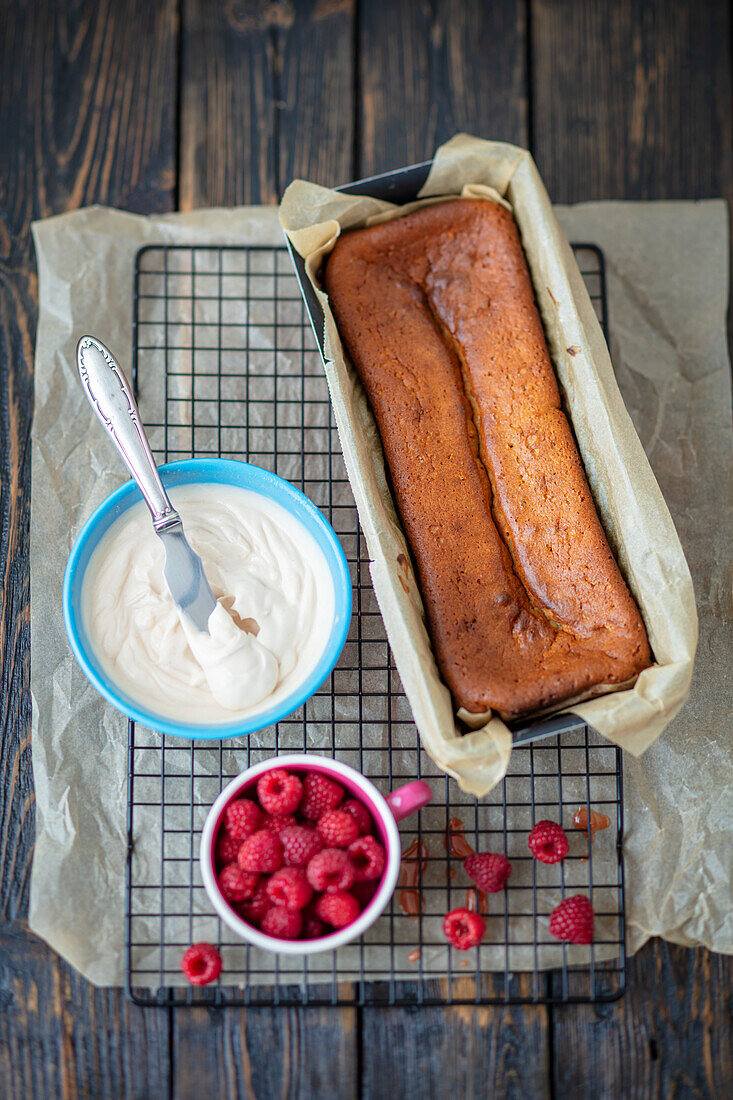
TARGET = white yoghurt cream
(275,612)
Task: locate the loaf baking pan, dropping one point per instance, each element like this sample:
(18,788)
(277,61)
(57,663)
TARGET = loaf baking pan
(627,496)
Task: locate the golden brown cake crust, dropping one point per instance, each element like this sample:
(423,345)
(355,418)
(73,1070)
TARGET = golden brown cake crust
(525,603)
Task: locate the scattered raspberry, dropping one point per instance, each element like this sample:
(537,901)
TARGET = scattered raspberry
(226,848)
(463,929)
(337,909)
(337,829)
(572,920)
(201,963)
(289,886)
(300,843)
(279,792)
(368,857)
(242,817)
(360,814)
(261,853)
(548,842)
(331,870)
(276,825)
(255,908)
(488,870)
(236,884)
(313,927)
(319,794)
(281,922)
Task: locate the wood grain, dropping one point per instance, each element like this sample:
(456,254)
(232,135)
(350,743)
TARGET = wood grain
(672,1035)
(316,89)
(632,100)
(267,95)
(304,1054)
(429,70)
(87,96)
(62,1038)
(456,1052)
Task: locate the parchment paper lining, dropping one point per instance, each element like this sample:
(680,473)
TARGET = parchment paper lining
(626,493)
(668,292)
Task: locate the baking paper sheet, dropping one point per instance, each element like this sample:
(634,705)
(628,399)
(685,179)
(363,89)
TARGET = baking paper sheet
(667,265)
(667,271)
(628,498)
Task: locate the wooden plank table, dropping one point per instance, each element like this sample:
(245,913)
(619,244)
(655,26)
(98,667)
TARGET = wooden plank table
(154,105)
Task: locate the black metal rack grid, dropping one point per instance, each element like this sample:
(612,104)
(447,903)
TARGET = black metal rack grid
(226,364)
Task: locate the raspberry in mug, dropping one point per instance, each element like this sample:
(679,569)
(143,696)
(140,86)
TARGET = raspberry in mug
(301,853)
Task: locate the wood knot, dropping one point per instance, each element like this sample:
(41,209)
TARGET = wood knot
(249,15)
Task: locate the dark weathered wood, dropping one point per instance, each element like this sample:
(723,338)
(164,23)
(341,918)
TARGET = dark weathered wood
(457,1052)
(315,122)
(87,97)
(303,1054)
(62,1038)
(672,1035)
(429,70)
(632,100)
(267,94)
(227,120)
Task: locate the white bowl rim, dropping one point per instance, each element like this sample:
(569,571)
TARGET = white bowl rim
(341,936)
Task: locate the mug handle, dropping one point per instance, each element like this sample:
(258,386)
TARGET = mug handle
(409,799)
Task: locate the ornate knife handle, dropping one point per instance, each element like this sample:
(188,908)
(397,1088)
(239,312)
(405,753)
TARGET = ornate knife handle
(111,398)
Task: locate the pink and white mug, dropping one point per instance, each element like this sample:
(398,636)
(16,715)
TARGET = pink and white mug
(385,813)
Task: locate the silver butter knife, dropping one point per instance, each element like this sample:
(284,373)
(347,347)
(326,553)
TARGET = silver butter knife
(111,398)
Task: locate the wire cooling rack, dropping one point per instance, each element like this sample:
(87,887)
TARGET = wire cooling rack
(225,363)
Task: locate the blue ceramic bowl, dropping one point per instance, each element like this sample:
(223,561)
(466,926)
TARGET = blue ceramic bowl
(207,471)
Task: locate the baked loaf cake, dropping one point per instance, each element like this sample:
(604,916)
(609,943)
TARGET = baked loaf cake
(525,603)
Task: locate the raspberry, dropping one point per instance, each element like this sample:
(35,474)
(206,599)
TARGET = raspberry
(337,829)
(262,853)
(463,929)
(277,824)
(368,857)
(364,892)
(201,963)
(236,884)
(338,909)
(300,843)
(289,886)
(226,848)
(331,870)
(281,922)
(572,920)
(488,870)
(360,814)
(548,842)
(313,927)
(279,792)
(242,817)
(255,908)
(319,794)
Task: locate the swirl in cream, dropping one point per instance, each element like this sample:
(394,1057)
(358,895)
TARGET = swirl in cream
(275,613)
